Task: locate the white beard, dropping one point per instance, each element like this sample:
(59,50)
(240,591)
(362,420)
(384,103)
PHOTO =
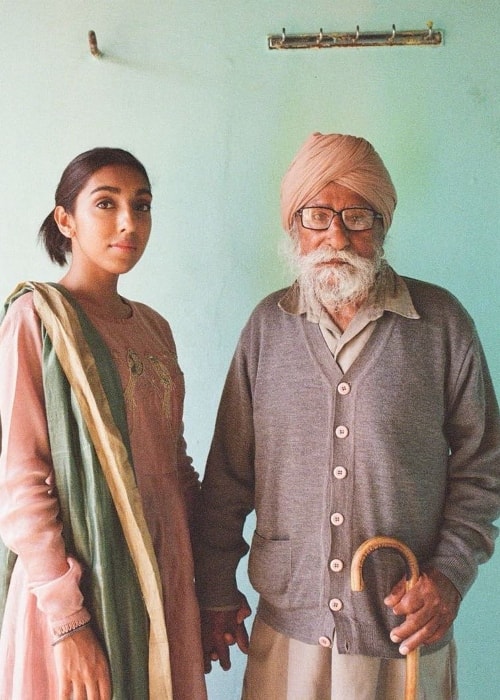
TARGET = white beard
(335,286)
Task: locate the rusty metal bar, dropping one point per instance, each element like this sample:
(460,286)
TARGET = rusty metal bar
(357,39)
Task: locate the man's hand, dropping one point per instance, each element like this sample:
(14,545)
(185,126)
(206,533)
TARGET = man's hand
(82,668)
(220,629)
(430,608)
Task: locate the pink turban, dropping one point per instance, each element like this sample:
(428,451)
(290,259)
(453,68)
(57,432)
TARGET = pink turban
(347,160)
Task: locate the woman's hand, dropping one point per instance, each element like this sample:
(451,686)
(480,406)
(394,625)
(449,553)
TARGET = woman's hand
(82,668)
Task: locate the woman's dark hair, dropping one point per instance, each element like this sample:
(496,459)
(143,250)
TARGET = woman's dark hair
(73,180)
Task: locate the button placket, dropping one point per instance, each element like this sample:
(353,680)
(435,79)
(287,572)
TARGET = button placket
(337,519)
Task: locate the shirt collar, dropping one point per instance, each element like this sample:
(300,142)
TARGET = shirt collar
(390,293)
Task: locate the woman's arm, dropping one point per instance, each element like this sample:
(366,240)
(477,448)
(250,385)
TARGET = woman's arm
(29,522)
(29,508)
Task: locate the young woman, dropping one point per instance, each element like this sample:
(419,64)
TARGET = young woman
(96,488)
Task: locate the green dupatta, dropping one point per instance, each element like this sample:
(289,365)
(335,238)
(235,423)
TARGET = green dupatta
(103,521)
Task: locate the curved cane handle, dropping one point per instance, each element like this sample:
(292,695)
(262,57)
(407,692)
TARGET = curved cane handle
(357,584)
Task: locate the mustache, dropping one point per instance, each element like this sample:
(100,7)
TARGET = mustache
(308,263)
(326,255)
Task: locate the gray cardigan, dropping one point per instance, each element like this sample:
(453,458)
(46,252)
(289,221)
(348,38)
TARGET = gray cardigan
(405,444)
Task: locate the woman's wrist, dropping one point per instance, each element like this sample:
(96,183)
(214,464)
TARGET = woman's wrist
(67,630)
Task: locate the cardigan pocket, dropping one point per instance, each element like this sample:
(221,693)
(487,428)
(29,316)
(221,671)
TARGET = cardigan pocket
(269,569)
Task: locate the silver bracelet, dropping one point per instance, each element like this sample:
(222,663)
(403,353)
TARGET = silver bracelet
(70,632)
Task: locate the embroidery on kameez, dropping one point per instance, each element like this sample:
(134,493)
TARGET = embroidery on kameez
(155,371)
(166,382)
(136,368)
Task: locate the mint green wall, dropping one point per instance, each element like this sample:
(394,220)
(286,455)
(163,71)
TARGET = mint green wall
(192,90)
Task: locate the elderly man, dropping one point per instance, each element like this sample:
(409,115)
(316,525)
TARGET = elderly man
(358,403)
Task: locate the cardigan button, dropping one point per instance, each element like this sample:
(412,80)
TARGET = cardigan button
(337,519)
(336,565)
(336,604)
(341,431)
(344,388)
(325,642)
(340,472)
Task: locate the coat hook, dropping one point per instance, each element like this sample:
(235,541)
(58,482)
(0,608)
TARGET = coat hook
(321,39)
(94,49)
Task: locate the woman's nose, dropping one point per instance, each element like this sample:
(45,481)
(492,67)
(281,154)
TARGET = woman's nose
(127,219)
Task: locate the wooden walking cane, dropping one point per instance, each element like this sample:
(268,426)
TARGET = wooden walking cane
(357,584)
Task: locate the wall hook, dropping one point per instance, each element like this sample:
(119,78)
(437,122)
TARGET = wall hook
(94,49)
(323,40)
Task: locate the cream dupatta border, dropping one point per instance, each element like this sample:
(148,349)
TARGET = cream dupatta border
(77,361)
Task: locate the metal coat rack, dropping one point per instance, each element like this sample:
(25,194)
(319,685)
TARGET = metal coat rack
(356,39)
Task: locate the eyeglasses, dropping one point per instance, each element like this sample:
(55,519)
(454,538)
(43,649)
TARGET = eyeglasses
(353,218)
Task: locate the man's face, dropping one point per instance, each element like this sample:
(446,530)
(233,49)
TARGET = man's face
(336,265)
(337,237)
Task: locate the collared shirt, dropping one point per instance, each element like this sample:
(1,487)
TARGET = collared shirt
(390,293)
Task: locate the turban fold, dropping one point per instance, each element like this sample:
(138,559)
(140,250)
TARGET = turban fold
(350,161)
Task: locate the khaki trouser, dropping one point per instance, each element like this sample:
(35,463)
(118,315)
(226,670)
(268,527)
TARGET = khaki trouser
(280,668)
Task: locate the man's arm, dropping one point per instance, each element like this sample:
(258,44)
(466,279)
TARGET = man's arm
(471,507)
(227,497)
(472,504)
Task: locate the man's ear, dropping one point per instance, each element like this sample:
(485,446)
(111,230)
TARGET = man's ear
(64,222)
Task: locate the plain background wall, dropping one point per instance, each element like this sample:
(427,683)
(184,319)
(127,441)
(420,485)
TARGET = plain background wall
(192,89)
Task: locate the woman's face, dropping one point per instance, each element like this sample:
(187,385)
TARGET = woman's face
(111,222)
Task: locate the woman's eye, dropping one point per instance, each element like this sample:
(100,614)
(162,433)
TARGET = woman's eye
(143,206)
(105,204)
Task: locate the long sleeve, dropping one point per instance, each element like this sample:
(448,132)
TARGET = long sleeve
(188,478)
(473,428)
(29,522)
(227,491)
